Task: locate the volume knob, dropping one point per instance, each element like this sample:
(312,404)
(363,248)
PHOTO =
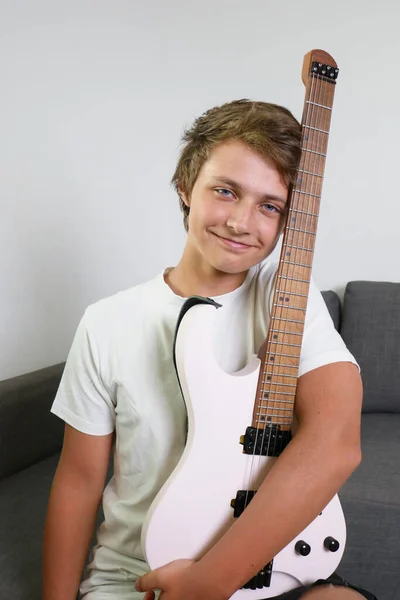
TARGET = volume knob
(302,548)
(331,544)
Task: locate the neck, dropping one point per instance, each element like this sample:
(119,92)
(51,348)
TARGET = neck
(193,277)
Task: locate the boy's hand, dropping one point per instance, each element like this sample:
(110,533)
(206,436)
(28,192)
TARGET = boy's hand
(178,580)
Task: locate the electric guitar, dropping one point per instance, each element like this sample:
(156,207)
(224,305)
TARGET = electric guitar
(197,504)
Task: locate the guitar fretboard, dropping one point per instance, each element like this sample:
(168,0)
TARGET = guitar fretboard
(278,375)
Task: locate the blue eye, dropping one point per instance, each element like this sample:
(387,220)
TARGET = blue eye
(222,192)
(271,208)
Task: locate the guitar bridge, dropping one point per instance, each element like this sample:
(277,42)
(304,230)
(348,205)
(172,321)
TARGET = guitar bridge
(261,580)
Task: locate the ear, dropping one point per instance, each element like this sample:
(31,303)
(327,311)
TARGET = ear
(183,196)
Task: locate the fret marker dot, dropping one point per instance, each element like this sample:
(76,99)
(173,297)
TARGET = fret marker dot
(266,395)
(293,219)
(281,298)
(275,336)
(272,358)
(262,418)
(288,253)
(286,299)
(269,377)
(268,418)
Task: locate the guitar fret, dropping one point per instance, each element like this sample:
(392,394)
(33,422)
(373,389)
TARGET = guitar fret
(285,344)
(307,193)
(300,230)
(299,248)
(316,129)
(291,293)
(291,262)
(279,383)
(282,354)
(288,420)
(281,394)
(288,320)
(263,414)
(319,105)
(310,173)
(277,375)
(303,212)
(283,365)
(293,279)
(286,332)
(313,151)
(289,306)
(280,401)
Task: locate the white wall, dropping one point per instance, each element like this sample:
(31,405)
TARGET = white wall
(94,97)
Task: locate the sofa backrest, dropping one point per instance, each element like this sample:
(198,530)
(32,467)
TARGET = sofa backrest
(371,329)
(28,431)
(332,301)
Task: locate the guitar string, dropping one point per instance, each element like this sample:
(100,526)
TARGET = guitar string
(317,96)
(312,163)
(266,403)
(286,290)
(282,290)
(300,220)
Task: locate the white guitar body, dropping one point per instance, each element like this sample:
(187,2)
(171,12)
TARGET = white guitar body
(193,510)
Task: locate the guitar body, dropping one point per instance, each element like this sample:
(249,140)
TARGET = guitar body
(193,509)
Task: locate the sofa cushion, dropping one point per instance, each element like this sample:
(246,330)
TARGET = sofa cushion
(23,503)
(377,479)
(371,504)
(28,431)
(371,329)
(371,557)
(332,301)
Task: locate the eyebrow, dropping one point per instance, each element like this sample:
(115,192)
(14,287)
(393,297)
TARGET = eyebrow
(241,188)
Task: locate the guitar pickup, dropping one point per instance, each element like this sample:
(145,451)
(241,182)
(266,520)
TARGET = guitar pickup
(263,577)
(243,499)
(268,441)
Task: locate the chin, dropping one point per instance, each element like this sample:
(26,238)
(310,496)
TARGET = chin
(231,269)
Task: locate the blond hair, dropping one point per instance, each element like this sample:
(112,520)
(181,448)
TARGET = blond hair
(269,129)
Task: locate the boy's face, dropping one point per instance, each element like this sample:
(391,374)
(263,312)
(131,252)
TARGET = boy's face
(237,209)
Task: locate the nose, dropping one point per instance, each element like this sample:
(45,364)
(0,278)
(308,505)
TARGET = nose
(239,218)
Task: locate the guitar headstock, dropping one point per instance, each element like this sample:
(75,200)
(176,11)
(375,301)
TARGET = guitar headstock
(321,64)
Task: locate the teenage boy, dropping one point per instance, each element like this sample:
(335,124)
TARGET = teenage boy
(120,390)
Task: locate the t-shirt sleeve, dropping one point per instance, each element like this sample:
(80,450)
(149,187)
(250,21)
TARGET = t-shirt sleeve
(83,400)
(322,344)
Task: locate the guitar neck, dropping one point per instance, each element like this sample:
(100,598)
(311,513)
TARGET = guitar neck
(280,364)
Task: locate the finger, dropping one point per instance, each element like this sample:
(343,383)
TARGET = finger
(148,582)
(149,596)
(158,578)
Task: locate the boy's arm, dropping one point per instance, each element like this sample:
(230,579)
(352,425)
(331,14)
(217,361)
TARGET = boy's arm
(74,499)
(312,468)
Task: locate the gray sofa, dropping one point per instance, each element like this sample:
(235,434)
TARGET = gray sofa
(30,441)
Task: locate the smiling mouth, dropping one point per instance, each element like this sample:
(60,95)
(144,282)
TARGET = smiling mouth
(232,243)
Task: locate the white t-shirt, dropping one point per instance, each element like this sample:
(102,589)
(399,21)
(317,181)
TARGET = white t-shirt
(120,376)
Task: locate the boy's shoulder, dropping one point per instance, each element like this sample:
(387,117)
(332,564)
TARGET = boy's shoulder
(266,273)
(131,303)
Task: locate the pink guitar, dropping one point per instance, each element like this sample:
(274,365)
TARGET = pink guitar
(226,459)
